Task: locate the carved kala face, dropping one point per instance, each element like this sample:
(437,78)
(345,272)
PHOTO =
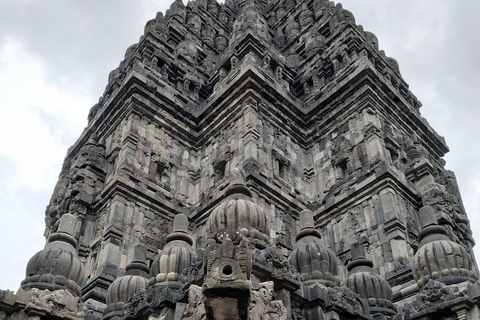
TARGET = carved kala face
(434,293)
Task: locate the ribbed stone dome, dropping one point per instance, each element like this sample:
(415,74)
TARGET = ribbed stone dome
(57,266)
(121,291)
(369,284)
(173,259)
(176,256)
(438,257)
(238,212)
(314,261)
(124,288)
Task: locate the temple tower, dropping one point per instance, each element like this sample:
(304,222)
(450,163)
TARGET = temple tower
(260,127)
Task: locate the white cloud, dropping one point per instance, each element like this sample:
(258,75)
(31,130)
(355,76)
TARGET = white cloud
(436,44)
(42,120)
(52,70)
(39,123)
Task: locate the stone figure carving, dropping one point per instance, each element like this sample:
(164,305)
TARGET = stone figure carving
(297,314)
(434,295)
(195,271)
(273,258)
(319,119)
(195,309)
(59,303)
(344,298)
(155,296)
(260,303)
(262,307)
(277,311)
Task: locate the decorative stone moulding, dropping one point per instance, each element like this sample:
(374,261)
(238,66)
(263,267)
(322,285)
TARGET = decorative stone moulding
(46,304)
(438,257)
(233,226)
(238,213)
(315,262)
(57,266)
(176,256)
(302,99)
(227,287)
(368,284)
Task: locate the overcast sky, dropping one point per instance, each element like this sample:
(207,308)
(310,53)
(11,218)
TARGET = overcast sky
(55,57)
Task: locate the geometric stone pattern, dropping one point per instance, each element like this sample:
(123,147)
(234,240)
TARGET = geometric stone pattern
(318,121)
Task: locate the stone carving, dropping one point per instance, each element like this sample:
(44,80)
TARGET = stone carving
(344,298)
(292,29)
(273,258)
(195,272)
(280,38)
(260,303)
(57,266)
(297,314)
(155,233)
(262,307)
(227,259)
(286,236)
(367,284)
(315,262)
(124,288)
(434,295)
(277,311)
(221,42)
(226,287)
(438,256)
(58,303)
(176,256)
(333,129)
(155,296)
(239,215)
(195,309)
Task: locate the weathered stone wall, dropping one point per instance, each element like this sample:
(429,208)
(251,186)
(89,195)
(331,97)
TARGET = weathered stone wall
(295,94)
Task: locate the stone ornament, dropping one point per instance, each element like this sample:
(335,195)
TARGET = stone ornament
(156,297)
(263,307)
(176,256)
(125,287)
(314,261)
(59,303)
(438,297)
(320,121)
(438,257)
(344,298)
(368,284)
(195,309)
(238,213)
(57,266)
(273,259)
(227,261)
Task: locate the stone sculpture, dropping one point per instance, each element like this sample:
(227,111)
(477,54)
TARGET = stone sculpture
(254,159)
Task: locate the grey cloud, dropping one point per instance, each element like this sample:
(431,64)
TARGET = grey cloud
(81,41)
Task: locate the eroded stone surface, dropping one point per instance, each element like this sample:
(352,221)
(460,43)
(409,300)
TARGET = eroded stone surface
(255,124)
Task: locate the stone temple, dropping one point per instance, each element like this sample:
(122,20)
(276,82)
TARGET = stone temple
(257,159)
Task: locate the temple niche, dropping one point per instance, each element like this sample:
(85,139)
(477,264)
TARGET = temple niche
(254,160)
